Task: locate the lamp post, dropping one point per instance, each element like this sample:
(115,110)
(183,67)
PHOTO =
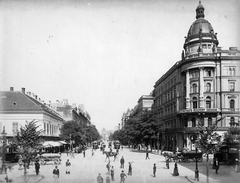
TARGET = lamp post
(196,171)
(3,150)
(219,59)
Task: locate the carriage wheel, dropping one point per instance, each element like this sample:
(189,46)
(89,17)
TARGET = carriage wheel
(185,159)
(42,162)
(56,161)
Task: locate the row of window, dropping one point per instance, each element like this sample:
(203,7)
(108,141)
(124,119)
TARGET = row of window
(201,122)
(50,129)
(208,103)
(167,85)
(208,87)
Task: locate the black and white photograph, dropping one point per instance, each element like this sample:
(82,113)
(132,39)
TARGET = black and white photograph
(119,91)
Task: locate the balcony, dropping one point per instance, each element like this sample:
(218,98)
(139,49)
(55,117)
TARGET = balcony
(199,110)
(231,110)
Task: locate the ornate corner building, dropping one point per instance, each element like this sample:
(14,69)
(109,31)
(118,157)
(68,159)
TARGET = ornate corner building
(201,88)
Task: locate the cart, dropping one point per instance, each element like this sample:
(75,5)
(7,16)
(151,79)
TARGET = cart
(50,157)
(190,155)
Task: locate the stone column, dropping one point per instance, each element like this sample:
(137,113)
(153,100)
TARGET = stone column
(201,88)
(187,90)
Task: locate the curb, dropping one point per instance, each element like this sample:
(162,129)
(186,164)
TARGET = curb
(188,179)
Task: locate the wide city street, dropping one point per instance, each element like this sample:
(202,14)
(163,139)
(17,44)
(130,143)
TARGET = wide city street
(85,170)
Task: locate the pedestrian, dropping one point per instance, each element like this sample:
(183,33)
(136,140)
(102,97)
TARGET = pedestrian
(123,176)
(37,167)
(112,173)
(99,178)
(175,171)
(147,155)
(67,152)
(167,163)
(154,170)
(122,147)
(56,174)
(122,162)
(217,165)
(68,164)
(237,165)
(84,153)
(130,168)
(108,166)
(92,152)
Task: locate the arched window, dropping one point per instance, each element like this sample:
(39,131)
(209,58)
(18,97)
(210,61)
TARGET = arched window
(230,71)
(208,87)
(209,121)
(193,122)
(201,121)
(232,104)
(208,102)
(194,102)
(194,88)
(232,121)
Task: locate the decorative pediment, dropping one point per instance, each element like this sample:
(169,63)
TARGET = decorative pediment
(232,96)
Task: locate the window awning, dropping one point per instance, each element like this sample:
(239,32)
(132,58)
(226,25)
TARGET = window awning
(62,142)
(51,144)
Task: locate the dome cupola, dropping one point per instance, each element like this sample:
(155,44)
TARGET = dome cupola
(201,39)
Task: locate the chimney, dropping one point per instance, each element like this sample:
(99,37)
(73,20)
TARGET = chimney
(23,90)
(11,89)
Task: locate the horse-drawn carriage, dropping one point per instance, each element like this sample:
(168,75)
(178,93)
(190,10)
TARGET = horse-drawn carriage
(183,156)
(48,157)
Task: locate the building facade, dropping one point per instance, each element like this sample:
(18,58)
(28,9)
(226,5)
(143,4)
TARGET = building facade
(201,88)
(17,108)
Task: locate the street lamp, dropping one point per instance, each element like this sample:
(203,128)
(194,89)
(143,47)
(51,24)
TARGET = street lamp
(196,171)
(3,150)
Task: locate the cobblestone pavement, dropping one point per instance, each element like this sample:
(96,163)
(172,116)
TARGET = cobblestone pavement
(85,170)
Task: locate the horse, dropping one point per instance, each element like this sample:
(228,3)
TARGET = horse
(110,154)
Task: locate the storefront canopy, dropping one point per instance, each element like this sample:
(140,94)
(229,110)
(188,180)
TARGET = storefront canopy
(51,144)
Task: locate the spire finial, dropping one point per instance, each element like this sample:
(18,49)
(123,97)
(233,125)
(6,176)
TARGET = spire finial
(200,11)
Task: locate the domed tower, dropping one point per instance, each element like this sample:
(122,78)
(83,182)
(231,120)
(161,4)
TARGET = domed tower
(201,39)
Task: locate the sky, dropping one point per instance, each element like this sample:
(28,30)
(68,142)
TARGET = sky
(104,54)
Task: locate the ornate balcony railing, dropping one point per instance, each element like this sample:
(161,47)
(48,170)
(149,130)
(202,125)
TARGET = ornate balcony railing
(196,110)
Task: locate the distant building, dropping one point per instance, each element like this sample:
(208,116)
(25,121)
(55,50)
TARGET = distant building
(71,112)
(17,107)
(145,102)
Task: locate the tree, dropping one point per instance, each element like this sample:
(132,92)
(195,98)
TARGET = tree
(233,135)
(149,127)
(80,134)
(28,141)
(208,141)
(73,131)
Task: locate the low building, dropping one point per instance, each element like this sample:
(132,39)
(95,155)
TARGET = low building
(17,108)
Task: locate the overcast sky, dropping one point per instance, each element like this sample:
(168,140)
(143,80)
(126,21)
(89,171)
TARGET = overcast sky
(104,54)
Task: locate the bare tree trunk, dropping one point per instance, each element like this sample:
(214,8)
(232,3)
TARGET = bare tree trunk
(207,170)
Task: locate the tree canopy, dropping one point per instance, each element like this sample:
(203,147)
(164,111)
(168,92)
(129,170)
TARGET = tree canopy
(138,129)
(28,141)
(80,134)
